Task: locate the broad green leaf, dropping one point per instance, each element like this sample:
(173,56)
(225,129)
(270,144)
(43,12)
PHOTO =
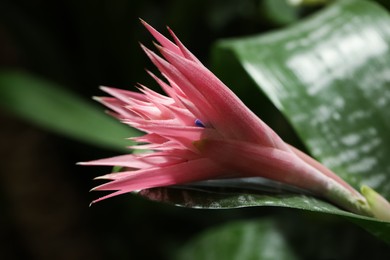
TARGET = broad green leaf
(258,240)
(329,75)
(199,197)
(52,107)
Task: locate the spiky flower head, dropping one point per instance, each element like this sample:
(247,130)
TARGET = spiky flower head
(201,130)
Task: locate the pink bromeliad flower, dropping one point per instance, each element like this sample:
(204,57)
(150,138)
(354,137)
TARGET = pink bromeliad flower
(201,130)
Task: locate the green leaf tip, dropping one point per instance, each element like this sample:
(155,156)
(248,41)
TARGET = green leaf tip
(380,207)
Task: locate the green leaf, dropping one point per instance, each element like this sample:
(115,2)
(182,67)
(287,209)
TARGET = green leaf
(280,11)
(258,240)
(329,76)
(48,105)
(204,197)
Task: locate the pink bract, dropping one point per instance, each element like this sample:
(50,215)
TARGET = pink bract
(199,130)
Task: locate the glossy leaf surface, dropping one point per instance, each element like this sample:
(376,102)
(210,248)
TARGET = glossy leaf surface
(329,76)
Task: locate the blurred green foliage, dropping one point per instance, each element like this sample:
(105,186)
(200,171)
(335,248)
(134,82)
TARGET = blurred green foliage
(53,108)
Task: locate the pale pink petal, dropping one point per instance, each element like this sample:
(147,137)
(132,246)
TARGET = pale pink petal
(119,192)
(146,112)
(195,111)
(169,145)
(178,91)
(138,161)
(128,160)
(183,115)
(144,124)
(232,116)
(184,135)
(150,138)
(123,95)
(156,97)
(191,171)
(171,90)
(323,169)
(116,105)
(249,159)
(190,132)
(167,89)
(165,112)
(192,93)
(118,175)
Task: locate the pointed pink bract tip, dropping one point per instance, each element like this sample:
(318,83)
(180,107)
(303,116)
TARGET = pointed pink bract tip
(144,23)
(158,46)
(172,34)
(104,88)
(144,48)
(98,99)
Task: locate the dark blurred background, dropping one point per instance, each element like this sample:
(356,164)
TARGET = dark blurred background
(83,44)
